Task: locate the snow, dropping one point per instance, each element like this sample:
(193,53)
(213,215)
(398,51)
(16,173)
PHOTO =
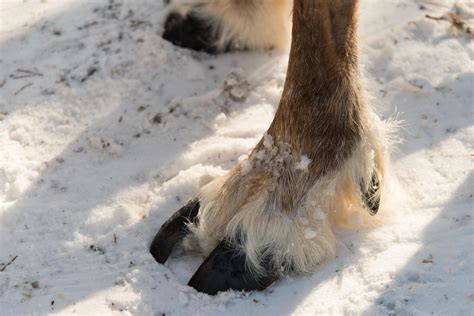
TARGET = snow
(303,163)
(267,141)
(319,214)
(245,167)
(107,130)
(310,233)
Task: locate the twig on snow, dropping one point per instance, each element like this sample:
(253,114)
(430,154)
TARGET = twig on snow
(25,73)
(7,264)
(23,88)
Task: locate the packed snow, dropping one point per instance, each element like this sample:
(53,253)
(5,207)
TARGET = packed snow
(303,163)
(310,233)
(107,129)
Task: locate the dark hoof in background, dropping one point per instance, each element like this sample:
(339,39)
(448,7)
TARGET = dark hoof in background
(191,31)
(369,198)
(225,269)
(173,231)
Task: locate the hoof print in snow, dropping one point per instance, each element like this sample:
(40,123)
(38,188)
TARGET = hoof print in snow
(225,269)
(173,231)
(97,249)
(157,119)
(236,86)
(191,31)
(105,144)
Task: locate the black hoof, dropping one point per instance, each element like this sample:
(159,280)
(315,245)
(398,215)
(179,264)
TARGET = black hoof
(369,197)
(191,32)
(173,231)
(225,269)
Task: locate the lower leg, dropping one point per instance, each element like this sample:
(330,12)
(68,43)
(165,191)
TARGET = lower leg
(320,162)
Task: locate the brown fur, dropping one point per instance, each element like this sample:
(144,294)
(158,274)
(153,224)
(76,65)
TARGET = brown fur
(320,110)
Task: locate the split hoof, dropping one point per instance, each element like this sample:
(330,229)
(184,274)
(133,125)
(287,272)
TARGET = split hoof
(225,269)
(191,31)
(173,231)
(222,270)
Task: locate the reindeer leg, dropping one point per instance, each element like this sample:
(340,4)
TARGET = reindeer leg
(173,231)
(272,214)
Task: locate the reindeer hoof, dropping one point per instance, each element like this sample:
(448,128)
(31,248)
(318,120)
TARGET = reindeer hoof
(222,270)
(369,197)
(225,269)
(173,231)
(190,31)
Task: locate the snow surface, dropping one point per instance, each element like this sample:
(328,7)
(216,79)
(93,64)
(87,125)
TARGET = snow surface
(106,130)
(303,163)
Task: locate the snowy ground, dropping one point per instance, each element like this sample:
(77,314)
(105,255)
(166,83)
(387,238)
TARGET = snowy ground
(106,130)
